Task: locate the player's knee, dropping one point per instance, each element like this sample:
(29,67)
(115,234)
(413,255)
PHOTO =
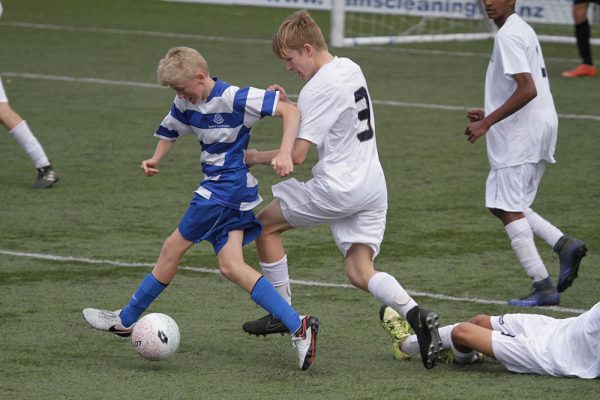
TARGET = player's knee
(227,270)
(358,279)
(481,320)
(460,333)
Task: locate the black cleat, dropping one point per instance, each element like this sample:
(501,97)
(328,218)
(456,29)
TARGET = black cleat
(47,177)
(425,325)
(570,252)
(264,326)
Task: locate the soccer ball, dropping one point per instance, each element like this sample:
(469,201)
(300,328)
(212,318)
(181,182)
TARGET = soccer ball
(155,337)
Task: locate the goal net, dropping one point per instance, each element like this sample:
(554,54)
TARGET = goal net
(375,22)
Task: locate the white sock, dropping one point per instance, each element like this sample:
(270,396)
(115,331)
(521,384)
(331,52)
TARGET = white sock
(411,345)
(521,240)
(277,274)
(446,335)
(542,228)
(464,358)
(387,290)
(30,144)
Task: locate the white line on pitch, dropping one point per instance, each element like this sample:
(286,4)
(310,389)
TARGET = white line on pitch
(389,103)
(66,28)
(85,260)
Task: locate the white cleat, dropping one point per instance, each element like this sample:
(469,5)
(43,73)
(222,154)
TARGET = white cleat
(105,320)
(305,341)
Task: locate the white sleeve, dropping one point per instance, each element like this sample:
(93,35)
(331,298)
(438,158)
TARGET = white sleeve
(513,50)
(318,113)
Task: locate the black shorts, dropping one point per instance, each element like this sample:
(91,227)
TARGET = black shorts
(586,1)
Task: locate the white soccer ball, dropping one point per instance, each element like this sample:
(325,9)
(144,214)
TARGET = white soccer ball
(155,336)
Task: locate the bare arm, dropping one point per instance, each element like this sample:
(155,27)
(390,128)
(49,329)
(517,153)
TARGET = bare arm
(299,152)
(524,93)
(163,147)
(282,161)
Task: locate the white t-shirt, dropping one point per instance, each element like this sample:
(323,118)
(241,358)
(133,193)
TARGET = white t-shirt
(337,116)
(529,135)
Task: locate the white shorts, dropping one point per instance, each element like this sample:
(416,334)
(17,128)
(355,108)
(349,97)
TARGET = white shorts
(513,345)
(303,207)
(3,98)
(513,188)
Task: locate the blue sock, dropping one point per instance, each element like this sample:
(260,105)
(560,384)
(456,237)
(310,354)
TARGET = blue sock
(265,295)
(149,290)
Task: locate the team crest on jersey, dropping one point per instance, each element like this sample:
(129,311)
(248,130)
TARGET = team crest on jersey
(501,319)
(218,119)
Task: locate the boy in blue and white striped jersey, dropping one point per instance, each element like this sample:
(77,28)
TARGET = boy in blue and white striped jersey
(220,115)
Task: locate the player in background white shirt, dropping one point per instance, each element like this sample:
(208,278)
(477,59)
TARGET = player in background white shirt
(523,343)
(19,130)
(521,125)
(348,189)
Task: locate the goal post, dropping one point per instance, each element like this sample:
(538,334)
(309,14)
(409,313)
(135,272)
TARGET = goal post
(377,22)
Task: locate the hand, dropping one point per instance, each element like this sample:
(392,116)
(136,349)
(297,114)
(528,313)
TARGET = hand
(475,130)
(282,94)
(249,157)
(475,114)
(282,164)
(149,167)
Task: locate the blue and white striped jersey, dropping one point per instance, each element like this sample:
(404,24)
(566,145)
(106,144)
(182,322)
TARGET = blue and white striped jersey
(222,125)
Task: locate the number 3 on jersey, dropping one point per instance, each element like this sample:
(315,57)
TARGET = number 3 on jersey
(364,115)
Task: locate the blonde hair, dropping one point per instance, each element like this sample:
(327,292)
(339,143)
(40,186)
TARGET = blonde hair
(295,31)
(181,64)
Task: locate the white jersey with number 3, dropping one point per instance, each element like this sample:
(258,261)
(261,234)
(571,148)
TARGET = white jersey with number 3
(337,116)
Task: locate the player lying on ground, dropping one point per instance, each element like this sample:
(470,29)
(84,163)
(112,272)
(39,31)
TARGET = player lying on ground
(220,115)
(523,343)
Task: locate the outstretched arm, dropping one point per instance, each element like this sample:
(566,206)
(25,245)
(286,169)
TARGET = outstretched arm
(524,93)
(163,147)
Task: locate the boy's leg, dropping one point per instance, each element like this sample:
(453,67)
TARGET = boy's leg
(121,323)
(20,131)
(233,267)
(273,262)
(570,250)
(467,336)
(386,289)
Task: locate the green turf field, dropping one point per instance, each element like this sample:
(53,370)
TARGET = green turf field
(82,73)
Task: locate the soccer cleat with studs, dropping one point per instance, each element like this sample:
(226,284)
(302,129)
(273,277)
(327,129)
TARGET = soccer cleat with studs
(108,321)
(570,252)
(580,71)
(397,328)
(47,177)
(425,325)
(264,326)
(305,341)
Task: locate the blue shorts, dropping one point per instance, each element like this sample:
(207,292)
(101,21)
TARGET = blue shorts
(210,221)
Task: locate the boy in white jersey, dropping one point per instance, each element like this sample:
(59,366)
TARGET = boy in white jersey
(521,125)
(220,115)
(523,343)
(20,131)
(348,189)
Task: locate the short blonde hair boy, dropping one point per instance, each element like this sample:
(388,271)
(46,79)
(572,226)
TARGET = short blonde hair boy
(295,31)
(181,64)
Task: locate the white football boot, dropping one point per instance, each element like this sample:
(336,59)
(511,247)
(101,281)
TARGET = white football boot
(105,320)
(305,341)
